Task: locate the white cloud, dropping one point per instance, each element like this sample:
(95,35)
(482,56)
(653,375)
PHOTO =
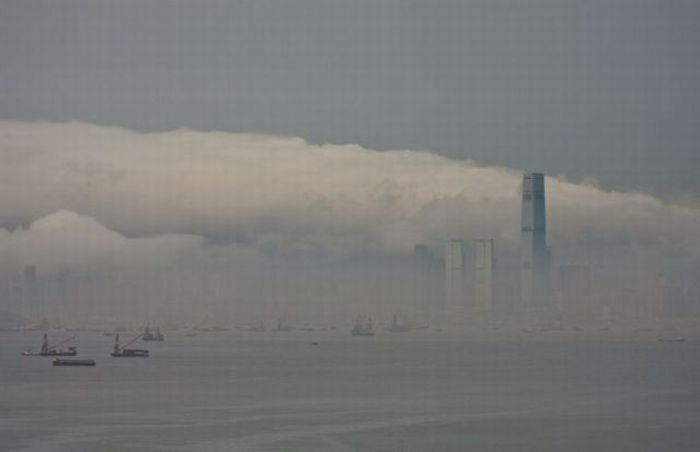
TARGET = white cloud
(67,240)
(285,193)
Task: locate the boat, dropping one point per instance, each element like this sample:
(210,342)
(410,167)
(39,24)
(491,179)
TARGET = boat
(672,339)
(73,362)
(156,336)
(51,350)
(282,328)
(124,352)
(363,328)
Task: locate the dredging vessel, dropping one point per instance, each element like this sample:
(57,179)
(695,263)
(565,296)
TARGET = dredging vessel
(119,351)
(52,350)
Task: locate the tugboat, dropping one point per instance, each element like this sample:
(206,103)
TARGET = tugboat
(361,329)
(47,350)
(123,352)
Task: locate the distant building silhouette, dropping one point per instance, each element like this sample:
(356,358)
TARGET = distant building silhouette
(533,241)
(454,277)
(483,278)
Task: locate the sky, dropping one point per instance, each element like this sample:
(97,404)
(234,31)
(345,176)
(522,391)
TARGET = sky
(603,90)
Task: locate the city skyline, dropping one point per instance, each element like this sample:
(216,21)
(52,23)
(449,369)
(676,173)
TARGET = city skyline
(334,225)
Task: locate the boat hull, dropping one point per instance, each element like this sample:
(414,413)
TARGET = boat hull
(50,354)
(131,354)
(73,362)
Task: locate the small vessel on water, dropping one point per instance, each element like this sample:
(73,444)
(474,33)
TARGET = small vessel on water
(73,362)
(156,336)
(123,352)
(52,350)
(672,339)
(363,328)
(282,328)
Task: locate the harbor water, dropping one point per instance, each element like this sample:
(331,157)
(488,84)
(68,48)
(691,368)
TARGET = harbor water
(407,392)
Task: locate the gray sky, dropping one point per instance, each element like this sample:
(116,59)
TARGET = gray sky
(606,89)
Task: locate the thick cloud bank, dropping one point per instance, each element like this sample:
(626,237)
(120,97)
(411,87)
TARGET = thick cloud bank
(152,193)
(67,241)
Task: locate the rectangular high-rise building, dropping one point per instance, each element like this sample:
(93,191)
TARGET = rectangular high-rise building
(454,277)
(483,277)
(533,241)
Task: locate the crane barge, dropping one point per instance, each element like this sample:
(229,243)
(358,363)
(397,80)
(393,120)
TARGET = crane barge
(120,351)
(53,350)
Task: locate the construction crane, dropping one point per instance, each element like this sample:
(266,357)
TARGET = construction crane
(54,346)
(122,351)
(116,341)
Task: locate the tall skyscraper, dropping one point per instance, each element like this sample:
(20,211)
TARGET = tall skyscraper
(483,278)
(534,254)
(454,277)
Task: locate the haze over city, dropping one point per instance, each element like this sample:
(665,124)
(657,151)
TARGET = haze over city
(368,225)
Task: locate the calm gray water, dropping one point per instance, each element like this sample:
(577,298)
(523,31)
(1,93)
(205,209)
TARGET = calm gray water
(413,392)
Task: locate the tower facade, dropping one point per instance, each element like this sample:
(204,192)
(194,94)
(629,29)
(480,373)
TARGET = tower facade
(454,277)
(427,282)
(483,278)
(534,284)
